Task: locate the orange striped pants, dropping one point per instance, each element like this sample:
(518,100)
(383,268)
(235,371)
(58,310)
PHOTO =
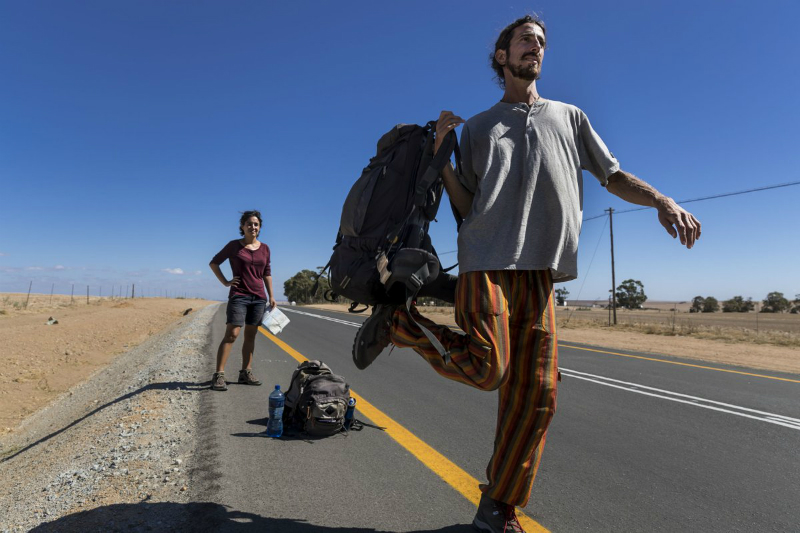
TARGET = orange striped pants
(510,344)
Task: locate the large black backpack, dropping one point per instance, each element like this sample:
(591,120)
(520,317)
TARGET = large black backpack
(316,401)
(383,254)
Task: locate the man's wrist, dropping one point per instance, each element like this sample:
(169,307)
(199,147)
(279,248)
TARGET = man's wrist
(662,201)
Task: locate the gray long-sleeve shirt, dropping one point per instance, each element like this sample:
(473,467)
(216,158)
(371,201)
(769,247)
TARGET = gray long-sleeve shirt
(523,164)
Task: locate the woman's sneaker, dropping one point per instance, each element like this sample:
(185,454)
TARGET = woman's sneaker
(496,517)
(246,377)
(218,381)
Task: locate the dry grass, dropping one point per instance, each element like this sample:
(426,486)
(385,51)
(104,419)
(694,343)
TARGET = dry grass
(15,304)
(40,361)
(757,328)
(690,340)
(781,329)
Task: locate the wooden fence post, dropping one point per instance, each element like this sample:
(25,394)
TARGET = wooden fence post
(29,294)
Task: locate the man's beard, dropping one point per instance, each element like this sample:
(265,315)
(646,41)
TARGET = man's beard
(528,71)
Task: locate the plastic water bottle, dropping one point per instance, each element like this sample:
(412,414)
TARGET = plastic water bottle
(348,415)
(275,423)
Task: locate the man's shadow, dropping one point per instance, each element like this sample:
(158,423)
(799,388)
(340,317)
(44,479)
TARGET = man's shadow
(200,517)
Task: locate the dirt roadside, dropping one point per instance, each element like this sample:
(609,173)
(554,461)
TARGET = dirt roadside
(757,356)
(38,362)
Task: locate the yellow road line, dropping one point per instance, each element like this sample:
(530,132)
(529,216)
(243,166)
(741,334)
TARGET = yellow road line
(454,476)
(562,345)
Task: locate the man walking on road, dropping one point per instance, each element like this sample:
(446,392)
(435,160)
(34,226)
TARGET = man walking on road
(520,194)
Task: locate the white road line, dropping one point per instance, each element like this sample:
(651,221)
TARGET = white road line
(771,418)
(323,317)
(754,414)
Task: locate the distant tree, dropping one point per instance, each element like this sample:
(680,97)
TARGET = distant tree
(561,296)
(711,305)
(796,304)
(697,304)
(299,287)
(775,303)
(630,294)
(737,304)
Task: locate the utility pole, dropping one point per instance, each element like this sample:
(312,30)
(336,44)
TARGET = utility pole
(613,276)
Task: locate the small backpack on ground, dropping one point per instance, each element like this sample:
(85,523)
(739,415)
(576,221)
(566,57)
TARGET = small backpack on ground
(383,254)
(316,400)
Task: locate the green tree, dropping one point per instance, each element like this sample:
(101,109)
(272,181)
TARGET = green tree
(796,304)
(561,295)
(697,304)
(299,288)
(630,294)
(775,303)
(737,304)
(711,305)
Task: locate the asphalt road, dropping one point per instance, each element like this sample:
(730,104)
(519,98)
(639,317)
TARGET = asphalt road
(638,443)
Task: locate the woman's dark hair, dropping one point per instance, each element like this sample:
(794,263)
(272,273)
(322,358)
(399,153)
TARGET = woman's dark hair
(246,216)
(504,41)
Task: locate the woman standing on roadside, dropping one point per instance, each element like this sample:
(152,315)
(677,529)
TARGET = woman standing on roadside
(247,300)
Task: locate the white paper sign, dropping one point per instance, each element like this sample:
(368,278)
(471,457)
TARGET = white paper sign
(275,320)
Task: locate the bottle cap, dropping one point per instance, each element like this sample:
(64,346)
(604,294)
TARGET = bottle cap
(277,387)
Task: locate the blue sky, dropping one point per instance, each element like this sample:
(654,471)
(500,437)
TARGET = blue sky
(133,133)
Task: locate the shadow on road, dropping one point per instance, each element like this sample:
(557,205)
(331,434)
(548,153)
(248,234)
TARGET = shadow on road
(296,434)
(169,385)
(195,517)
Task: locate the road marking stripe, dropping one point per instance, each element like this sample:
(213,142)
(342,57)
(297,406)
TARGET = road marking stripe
(781,420)
(454,476)
(561,344)
(323,317)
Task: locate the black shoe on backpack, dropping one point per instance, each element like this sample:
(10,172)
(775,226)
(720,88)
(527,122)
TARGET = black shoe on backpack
(373,336)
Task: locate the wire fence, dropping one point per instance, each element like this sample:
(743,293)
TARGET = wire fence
(59,295)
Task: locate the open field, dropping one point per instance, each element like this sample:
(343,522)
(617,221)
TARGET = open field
(780,329)
(768,350)
(783,322)
(40,361)
(16,303)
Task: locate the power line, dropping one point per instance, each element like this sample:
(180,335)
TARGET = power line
(723,195)
(586,274)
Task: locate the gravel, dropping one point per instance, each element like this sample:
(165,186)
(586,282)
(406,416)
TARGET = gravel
(114,453)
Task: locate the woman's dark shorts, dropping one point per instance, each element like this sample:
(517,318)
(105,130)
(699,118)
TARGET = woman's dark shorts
(245,309)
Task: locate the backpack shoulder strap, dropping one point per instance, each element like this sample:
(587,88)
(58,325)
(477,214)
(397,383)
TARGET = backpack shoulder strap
(437,164)
(430,336)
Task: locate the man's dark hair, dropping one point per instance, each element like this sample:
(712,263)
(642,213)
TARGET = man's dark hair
(504,42)
(246,216)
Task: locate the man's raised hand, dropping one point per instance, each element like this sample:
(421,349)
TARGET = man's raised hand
(678,222)
(446,123)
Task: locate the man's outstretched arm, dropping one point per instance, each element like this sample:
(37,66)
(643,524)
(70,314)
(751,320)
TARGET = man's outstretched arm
(676,220)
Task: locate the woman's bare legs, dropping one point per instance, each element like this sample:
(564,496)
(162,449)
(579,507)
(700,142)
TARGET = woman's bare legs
(248,346)
(224,350)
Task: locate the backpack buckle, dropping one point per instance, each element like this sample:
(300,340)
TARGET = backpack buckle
(383,267)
